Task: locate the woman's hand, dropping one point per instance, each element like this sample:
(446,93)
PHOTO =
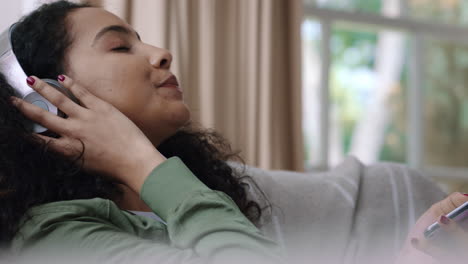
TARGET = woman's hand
(111,143)
(451,247)
(418,249)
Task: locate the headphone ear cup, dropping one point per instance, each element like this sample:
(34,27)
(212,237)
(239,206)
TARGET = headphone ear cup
(38,100)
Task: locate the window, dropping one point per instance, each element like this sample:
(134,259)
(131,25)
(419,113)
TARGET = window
(387,80)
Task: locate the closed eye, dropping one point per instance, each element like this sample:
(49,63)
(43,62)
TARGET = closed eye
(121,49)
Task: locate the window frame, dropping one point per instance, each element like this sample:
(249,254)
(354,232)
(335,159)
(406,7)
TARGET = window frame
(418,32)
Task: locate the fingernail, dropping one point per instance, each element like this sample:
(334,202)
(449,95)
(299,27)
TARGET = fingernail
(466,194)
(414,242)
(30,80)
(444,220)
(61,78)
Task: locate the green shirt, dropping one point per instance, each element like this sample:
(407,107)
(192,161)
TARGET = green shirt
(202,225)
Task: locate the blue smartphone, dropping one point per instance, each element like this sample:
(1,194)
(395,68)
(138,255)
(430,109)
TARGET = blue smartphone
(459,215)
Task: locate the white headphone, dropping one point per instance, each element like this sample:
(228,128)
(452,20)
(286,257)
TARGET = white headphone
(16,77)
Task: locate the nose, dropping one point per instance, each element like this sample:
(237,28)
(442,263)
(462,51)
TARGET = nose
(160,58)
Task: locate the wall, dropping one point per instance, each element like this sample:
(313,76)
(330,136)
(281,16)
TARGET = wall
(10,12)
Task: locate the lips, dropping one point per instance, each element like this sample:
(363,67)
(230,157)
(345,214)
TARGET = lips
(171,82)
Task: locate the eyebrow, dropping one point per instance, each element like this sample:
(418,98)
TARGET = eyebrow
(114,28)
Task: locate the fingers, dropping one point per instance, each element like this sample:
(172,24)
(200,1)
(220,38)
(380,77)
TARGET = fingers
(450,244)
(54,96)
(456,233)
(449,203)
(429,248)
(63,145)
(60,100)
(86,98)
(450,241)
(41,116)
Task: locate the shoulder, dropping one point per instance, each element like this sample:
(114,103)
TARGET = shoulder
(96,206)
(46,219)
(66,210)
(77,221)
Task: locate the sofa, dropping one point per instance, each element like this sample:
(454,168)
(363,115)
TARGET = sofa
(350,214)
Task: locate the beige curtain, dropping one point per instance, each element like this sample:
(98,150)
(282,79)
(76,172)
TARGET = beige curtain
(239,64)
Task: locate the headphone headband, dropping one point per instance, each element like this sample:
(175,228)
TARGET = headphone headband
(16,77)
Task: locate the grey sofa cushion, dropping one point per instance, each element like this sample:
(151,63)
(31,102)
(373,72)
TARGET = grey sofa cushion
(351,214)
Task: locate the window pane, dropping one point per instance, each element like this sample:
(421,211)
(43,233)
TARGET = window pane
(443,11)
(372,6)
(446,108)
(368,79)
(367,94)
(311,42)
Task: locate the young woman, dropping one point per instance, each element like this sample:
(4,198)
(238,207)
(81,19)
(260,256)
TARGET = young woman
(126,148)
(56,192)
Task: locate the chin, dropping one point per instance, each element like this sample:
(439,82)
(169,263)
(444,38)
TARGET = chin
(180,116)
(178,119)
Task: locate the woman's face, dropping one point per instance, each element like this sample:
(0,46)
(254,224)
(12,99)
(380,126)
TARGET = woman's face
(108,58)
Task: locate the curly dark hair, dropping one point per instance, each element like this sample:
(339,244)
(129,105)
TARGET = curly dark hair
(32,174)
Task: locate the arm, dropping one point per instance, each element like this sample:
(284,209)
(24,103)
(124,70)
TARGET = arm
(205,223)
(201,224)
(200,218)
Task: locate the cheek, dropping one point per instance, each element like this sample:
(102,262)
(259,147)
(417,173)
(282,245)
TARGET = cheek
(123,93)
(109,78)
(135,104)
(106,90)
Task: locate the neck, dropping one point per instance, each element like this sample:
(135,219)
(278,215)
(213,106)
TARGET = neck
(131,201)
